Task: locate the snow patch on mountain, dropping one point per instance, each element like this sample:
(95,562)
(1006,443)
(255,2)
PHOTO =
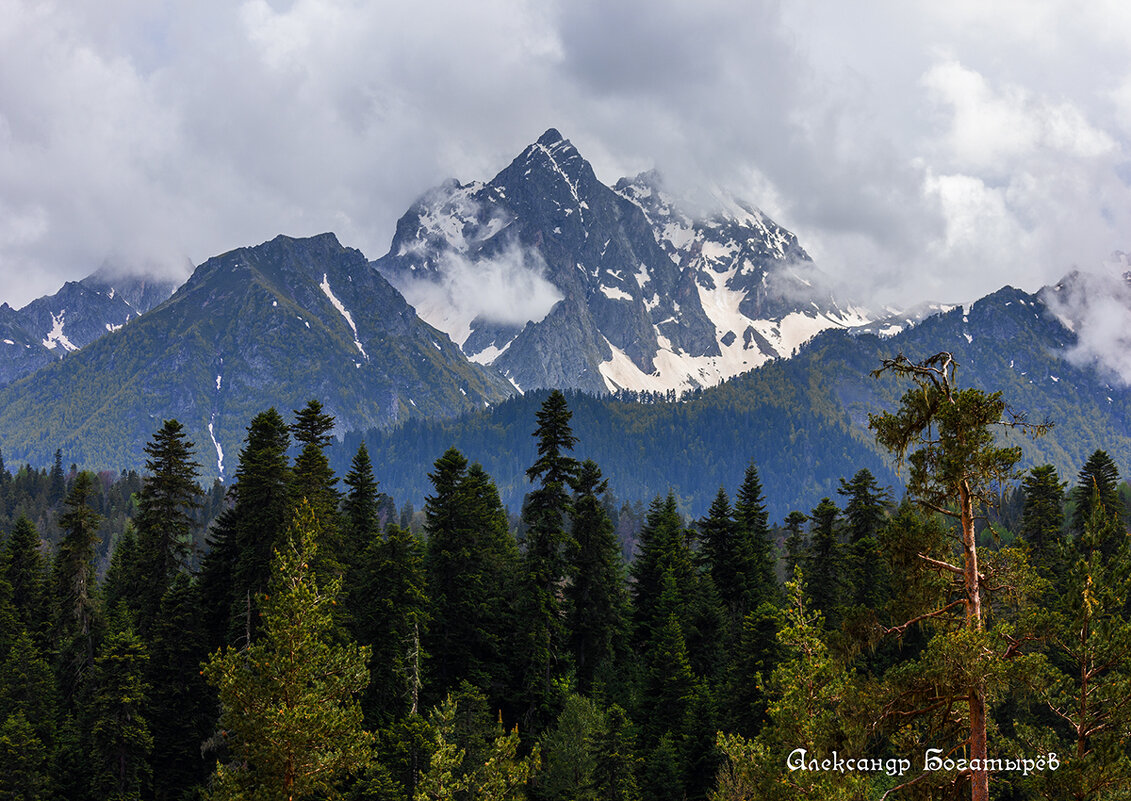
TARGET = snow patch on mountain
(325,286)
(55,337)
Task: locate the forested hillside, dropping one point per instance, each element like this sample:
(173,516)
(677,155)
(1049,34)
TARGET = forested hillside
(312,647)
(802,420)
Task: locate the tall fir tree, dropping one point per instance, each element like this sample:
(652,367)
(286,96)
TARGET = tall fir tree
(595,599)
(755,551)
(865,511)
(120,738)
(181,707)
(1097,483)
(169,497)
(238,566)
(361,525)
(543,652)
(469,562)
(75,585)
(313,479)
(1042,517)
(824,561)
(26,571)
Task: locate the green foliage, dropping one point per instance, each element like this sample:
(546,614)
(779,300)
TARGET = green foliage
(119,734)
(288,700)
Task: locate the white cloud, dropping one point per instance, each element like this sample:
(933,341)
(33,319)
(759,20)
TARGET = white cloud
(1097,306)
(508,289)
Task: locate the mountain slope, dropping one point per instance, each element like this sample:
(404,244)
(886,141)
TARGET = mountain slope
(803,421)
(277,324)
(633,293)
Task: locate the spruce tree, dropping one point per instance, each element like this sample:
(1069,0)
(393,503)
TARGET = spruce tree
(544,515)
(312,479)
(238,566)
(361,524)
(74,582)
(824,562)
(169,497)
(1097,482)
(864,514)
(120,738)
(595,597)
(1042,517)
(182,707)
(469,563)
(754,551)
(26,572)
(795,542)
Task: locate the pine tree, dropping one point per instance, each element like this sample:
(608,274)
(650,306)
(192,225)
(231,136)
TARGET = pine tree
(718,538)
(27,688)
(955,470)
(168,499)
(615,772)
(24,759)
(289,699)
(595,599)
(58,480)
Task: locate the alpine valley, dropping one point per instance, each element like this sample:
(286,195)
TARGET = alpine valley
(692,343)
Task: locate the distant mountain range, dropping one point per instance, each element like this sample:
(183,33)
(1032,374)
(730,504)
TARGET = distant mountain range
(541,277)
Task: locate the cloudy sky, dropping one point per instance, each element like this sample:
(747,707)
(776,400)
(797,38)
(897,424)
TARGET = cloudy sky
(919,149)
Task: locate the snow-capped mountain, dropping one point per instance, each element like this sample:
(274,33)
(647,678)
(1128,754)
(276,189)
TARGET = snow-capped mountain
(630,291)
(81,312)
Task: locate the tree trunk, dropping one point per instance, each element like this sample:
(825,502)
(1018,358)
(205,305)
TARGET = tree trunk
(976,697)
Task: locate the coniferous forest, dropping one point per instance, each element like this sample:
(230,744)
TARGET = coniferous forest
(297,635)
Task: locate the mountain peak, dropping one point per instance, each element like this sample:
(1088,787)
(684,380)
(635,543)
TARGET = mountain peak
(551,137)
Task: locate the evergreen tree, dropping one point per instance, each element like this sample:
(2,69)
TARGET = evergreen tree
(237,568)
(169,497)
(569,754)
(1042,517)
(718,544)
(182,707)
(288,700)
(120,737)
(312,479)
(361,524)
(26,572)
(662,551)
(58,480)
(955,470)
(795,542)
(27,688)
(754,552)
(393,620)
(1099,480)
(544,516)
(469,562)
(824,562)
(864,514)
(122,586)
(616,768)
(74,582)
(24,761)
(595,597)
